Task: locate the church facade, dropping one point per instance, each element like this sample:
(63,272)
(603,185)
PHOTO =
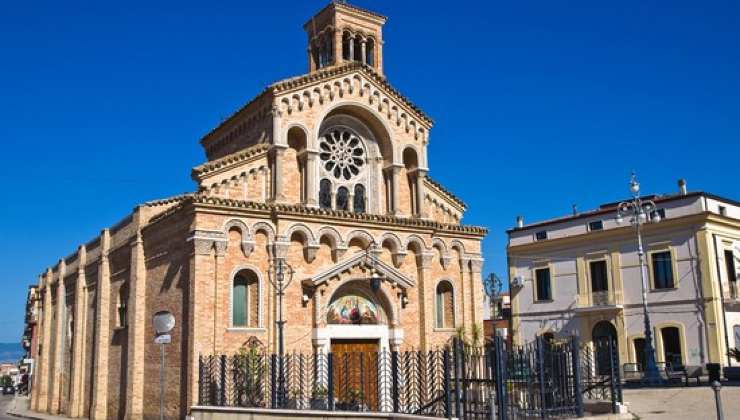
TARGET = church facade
(323,174)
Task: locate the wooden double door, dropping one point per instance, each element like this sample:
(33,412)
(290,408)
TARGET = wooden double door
(355,378)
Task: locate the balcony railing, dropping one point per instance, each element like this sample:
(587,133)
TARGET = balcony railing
(606,298)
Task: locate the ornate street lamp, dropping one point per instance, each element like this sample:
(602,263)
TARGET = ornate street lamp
(280,274)
(641,212)
(493,286)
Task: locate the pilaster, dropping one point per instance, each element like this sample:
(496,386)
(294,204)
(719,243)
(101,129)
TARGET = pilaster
(42,386)
(99,407)
(202,314)
(311,178)
(76,396)
(420,193)
(136,326)
(58,351)
(476,291)
(712,300)
(426,298)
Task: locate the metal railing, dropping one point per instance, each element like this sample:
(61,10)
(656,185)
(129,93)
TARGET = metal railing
(602,298)
(538,380)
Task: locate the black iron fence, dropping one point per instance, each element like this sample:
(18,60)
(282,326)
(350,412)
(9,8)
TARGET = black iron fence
(539,380)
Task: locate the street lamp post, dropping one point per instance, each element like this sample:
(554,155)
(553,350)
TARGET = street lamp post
(641,212)
(493,286)
(277,275)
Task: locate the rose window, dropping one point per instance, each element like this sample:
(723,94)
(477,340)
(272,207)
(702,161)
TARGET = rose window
(341,154)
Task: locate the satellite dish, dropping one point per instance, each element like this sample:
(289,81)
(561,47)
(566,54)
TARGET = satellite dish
(164,322)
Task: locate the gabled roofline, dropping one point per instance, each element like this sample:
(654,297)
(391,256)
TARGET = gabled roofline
(295,82)
(360,258)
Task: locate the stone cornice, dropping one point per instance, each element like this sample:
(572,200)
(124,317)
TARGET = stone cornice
(229,160)
(169,200)
(299,210)
(445,192)
(613,235)
(298,82)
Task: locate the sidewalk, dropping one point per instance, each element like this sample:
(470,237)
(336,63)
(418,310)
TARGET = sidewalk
(20,408)
(679,403)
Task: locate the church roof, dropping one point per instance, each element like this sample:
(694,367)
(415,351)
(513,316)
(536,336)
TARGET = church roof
(230,159)
(323,74)
(444,190)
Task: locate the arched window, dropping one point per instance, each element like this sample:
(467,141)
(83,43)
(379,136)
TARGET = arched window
(445,305)
(359,200)
(325,194)
(370,52)
(345,46)
(245,300)
(357,49)
(342,198)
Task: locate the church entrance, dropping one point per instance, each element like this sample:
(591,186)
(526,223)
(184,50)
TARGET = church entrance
(355,379)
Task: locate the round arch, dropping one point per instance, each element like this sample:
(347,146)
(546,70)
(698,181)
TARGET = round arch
(365,114)
(362,288)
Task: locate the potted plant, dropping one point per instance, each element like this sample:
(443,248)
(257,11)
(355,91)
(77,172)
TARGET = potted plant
(732,373)
(352,400)
(318,399)
(355,396)
(293,396)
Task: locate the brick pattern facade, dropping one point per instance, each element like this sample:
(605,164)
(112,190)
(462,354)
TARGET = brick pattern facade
(256,203)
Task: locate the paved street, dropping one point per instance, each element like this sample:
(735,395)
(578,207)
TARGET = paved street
(682,402)
(6,402)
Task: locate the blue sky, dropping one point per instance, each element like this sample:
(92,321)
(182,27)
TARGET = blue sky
(537,105)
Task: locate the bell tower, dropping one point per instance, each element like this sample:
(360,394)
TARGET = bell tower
(342,33)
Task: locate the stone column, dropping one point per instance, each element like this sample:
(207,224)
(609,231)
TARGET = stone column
(311,178)
(393,172)
(137,338)
(278,195)
(99,409)
(338,48)
(420,192)
(426,298)
(363,45)
(76,397)
(58,351)
(351,48)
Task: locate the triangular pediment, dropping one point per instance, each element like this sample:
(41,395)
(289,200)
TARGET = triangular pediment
(361,260)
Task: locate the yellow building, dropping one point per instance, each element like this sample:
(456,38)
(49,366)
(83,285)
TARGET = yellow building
(580,274)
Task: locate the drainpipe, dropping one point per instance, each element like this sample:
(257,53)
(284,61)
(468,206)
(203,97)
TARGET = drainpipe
(722,299)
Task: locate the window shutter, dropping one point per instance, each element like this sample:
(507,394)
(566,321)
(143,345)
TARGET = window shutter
(239,303)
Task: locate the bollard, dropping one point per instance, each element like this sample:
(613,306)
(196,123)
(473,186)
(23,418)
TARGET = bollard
(718,399)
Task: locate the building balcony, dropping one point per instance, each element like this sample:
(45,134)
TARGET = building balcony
(609,300)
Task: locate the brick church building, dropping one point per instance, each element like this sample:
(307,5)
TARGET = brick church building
(324,174)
